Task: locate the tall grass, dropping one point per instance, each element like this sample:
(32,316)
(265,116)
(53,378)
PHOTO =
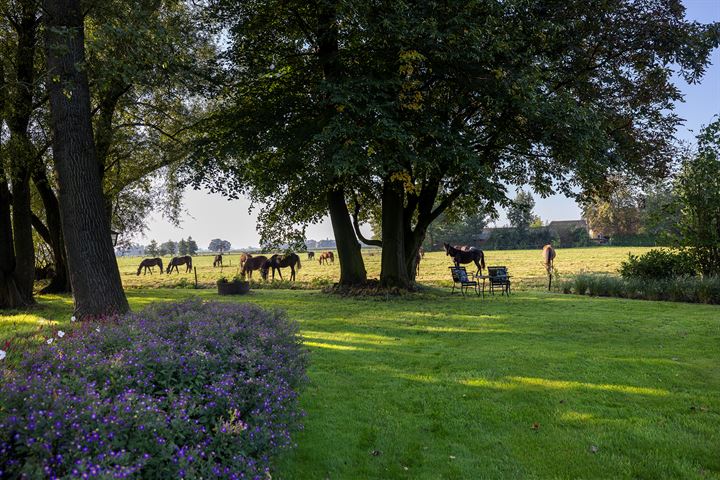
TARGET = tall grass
(680,289)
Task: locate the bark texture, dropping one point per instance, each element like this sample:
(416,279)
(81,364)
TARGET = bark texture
(352,266)
(94,275)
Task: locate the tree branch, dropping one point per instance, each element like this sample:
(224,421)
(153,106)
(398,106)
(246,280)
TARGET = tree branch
(356,226)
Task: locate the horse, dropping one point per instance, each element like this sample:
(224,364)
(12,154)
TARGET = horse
(549,260)
(186,260)
(217,262)
(311,255)
(148,263)
(326,256)
(466,256)
(276,262)
(243,258)
(421,251)
(418,257)
(254,263)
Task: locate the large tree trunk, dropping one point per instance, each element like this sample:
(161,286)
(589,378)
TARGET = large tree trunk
(60,283)
(94,274)
(394,269)
(10,295)
(352,266)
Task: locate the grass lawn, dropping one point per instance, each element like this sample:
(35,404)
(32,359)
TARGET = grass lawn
(535,386)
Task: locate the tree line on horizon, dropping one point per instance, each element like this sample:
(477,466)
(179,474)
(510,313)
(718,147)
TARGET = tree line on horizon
(368,112)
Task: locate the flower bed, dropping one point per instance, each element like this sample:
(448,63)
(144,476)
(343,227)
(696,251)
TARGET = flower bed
(181,390)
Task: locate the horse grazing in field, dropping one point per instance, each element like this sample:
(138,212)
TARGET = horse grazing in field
(549,260)
(254,263)
(148,263)
(466,256)
(217,261)
(311,255)
(325,257)
(186,260)
(243,258)
(421,252)
(276,262)
(418,257)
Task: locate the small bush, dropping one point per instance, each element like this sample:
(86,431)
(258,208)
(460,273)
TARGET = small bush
(680,289)
(658,264)
(182,390)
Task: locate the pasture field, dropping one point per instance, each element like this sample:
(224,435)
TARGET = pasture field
(526,267)
(538,385)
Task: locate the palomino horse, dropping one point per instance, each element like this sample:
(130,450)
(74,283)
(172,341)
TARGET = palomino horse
(148,263)
(217,261)
(466,256)
(243,258)
(186,260)
(311,255)
(325,257)
(254,263)
(549,260)
(277,262)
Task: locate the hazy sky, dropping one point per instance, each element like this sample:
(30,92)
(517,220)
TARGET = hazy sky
(211,216)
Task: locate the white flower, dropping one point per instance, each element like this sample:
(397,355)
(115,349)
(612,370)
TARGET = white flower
(49,341)
(3,354)
(61,333)
(97,329)
(72,319)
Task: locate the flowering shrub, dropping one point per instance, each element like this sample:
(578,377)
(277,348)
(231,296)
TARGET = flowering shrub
(181,390)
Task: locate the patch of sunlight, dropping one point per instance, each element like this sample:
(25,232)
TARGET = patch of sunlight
(484,382)
(332,346)
(418,378)
(576,416)
(350,337)
(512,383)
(567,385)
(27,319)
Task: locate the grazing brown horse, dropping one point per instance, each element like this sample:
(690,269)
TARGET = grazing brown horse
(421,252)
(466,256)
(186,260)
(217,261)
(254,263)
(325,257)
(276,262)
(243,258)
(148,263)
(311,255)
(418,257)
(549,260)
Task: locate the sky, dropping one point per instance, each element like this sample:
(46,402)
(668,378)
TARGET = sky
(209,216)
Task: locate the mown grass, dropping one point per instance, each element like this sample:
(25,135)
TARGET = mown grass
(526,266)
(533,386)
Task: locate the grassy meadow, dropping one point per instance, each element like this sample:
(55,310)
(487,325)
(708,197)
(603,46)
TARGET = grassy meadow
(526,267)
(437,386)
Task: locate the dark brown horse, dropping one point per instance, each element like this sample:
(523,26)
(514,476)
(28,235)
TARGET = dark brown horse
(276,262)
(148,263)
(254,263)
(311,255)
(217,262)
(186,260)
(466,256)
(326,257)
(418,257)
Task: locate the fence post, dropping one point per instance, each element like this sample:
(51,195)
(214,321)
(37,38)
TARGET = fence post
(195,268)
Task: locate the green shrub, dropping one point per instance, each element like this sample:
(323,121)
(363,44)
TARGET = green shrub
(658,264)
(679,289)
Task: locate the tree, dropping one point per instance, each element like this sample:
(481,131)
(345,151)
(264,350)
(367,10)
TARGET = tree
(615,212)
(152,249)
(168,248)
(455,229)
(520,212)
(192,246)
(94,274)
(17,258)
(442,104)
(697,191)
(218,245)
(182,247)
